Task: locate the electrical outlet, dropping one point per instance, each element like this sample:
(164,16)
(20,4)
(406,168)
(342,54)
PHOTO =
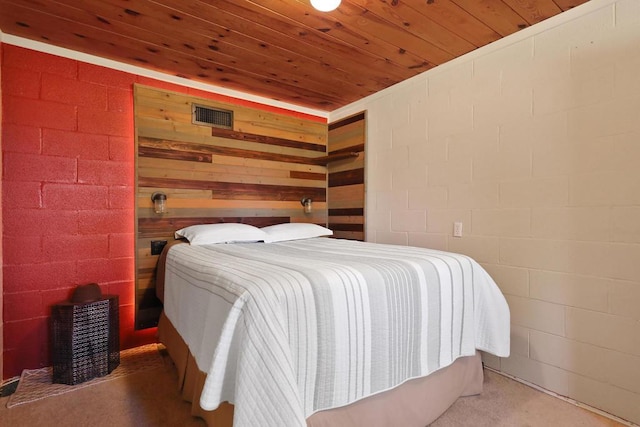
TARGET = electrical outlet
(157,246)
(457,229)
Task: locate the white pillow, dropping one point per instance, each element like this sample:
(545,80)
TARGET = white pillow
(207,234)
(294,231)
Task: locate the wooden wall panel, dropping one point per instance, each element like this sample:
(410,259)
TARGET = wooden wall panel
(255,173)
(346,187)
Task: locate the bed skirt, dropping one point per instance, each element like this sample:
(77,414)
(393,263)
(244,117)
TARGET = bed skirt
(405,405)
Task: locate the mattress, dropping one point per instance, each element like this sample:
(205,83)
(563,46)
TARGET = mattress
(284,330)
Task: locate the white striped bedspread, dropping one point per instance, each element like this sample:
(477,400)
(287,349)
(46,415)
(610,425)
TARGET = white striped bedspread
(287,329)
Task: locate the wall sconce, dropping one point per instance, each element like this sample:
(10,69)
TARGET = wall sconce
(159,202)
(325,5)
(306,202)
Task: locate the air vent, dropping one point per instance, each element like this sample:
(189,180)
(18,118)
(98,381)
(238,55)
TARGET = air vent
(201,115)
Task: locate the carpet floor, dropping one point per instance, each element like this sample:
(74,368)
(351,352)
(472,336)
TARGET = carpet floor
(149,397)
(508,403)
(37,384)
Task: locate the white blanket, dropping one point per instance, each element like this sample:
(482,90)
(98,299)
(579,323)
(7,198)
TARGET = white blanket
(287,329)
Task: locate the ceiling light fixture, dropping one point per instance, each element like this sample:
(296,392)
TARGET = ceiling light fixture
(325,5)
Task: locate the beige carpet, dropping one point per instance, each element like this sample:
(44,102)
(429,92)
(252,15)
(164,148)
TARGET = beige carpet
(150,398)
(508,403)
(37,384)
(146,398)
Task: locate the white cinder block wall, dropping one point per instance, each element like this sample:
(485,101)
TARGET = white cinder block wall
(532,143)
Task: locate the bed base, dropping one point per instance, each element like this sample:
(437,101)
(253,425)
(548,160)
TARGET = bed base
(405,405)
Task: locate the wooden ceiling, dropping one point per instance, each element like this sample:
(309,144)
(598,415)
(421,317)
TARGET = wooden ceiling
(279,49)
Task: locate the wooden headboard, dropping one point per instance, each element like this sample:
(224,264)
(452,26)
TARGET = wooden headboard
(255,172)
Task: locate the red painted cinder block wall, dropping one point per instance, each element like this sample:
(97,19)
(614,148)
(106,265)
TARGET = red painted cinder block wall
(68,193)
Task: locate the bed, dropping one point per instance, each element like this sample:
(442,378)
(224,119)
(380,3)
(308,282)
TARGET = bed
(321,331)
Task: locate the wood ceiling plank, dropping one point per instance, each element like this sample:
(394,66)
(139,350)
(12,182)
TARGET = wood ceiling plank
(222,32)
(342,27)
(455,19)
(569,4)
(273,63)
(74,36)
(495,14)
(534,11)
(357,19)
(414,19)
(108,18)
(280,49)
(277,30)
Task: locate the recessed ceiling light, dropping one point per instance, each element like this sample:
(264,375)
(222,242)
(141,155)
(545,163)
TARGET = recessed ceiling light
(325,5)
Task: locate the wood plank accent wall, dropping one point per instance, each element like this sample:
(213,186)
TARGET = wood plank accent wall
(346,186)
(255,173)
